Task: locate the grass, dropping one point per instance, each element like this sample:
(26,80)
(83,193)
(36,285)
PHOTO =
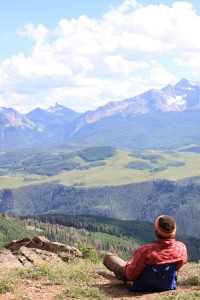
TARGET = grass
(194,280)
(8,284)
(83,292)
(114,172)
(76,275)
(191,274)
(79,278)
(181,296)
(79,271)
(189,277)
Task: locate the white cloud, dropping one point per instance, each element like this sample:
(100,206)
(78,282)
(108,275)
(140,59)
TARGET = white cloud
(38,34)
(159,76)
(84,63)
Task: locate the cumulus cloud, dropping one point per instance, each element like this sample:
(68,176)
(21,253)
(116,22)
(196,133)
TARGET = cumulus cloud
(160,75)
(38,34)
(84,63)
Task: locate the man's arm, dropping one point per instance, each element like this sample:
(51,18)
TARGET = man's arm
(136,265)
(182,251)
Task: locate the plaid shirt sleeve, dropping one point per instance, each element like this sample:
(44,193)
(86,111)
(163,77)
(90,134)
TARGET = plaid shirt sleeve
(136,265)
(182,253)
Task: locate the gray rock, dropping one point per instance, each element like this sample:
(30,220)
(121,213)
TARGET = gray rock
(26,252)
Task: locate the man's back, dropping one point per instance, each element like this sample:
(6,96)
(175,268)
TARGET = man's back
(160,252)
(164,251)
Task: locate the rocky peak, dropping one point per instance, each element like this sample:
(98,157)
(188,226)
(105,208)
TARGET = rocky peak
(185,84)
(12,118)
(60,109)
(56,108)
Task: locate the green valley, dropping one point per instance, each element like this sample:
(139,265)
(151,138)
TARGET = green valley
(95,166)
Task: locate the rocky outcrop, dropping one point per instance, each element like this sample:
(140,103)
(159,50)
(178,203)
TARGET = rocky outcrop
(26,252)
(8,260)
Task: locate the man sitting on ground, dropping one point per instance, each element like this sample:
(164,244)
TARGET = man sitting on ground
(154,266)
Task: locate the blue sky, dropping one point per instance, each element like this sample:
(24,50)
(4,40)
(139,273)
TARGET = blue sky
(85,53)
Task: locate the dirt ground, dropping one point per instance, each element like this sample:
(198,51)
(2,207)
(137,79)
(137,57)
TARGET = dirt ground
(117,291)
(34,290)
(109,284)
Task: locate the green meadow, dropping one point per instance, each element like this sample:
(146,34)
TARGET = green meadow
(120,168)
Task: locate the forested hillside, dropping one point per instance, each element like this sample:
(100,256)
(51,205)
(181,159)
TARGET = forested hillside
(141,201)
(88,232)
(110,234)
(13,229)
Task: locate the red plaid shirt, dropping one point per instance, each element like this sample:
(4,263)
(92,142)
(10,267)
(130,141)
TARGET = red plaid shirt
(162,251)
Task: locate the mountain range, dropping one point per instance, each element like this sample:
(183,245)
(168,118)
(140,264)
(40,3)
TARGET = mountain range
(157,119)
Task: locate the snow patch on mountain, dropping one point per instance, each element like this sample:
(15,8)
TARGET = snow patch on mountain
(177,103)
(184,95)
(12,118)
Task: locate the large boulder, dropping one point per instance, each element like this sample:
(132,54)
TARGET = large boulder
(8,260)
(25,252)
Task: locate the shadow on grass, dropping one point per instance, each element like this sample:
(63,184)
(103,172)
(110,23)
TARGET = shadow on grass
(115,288)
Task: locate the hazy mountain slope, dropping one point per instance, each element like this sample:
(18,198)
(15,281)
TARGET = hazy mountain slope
(166,118)
(158,130)
(54,115)
(54,120)
(17,131)
(39,128)
(185,95)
